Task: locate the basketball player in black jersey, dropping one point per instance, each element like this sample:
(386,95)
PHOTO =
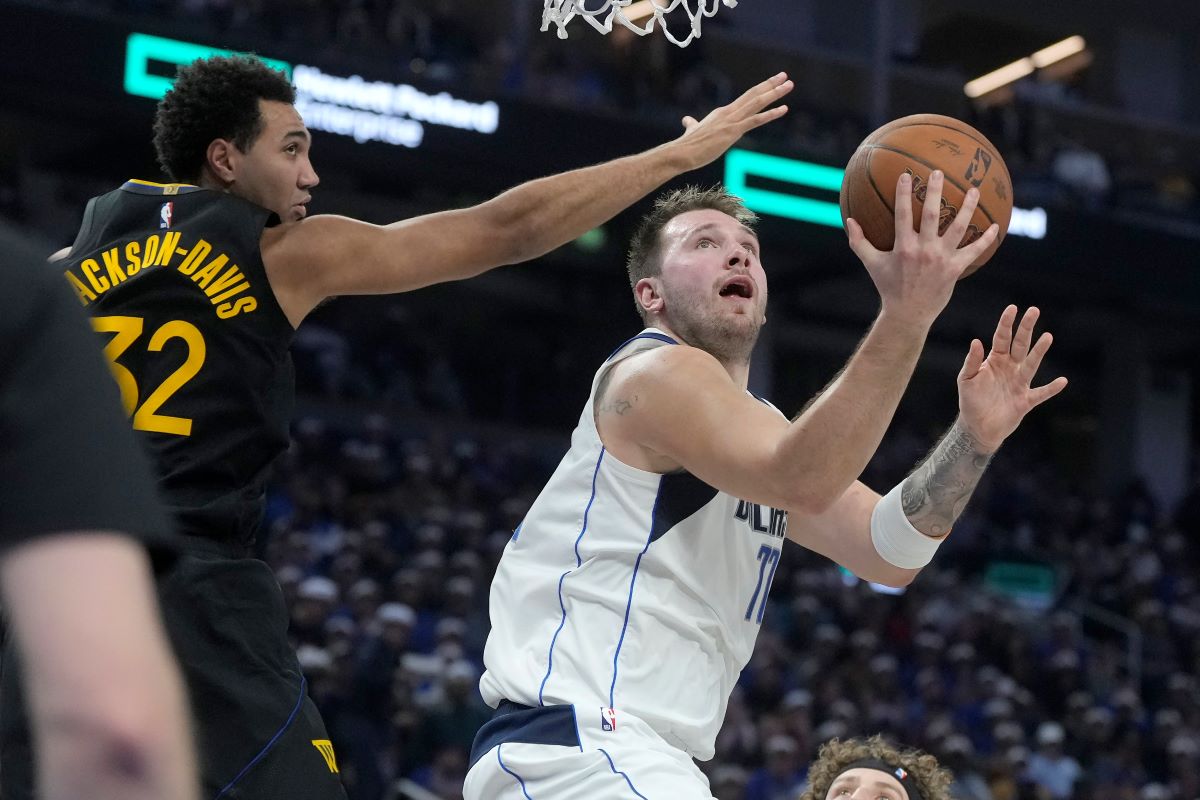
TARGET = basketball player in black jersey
(196,288)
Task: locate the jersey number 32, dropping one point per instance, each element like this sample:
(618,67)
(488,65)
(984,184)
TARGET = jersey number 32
(126,333)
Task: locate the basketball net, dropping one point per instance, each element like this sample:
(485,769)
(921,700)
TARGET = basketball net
(561,12)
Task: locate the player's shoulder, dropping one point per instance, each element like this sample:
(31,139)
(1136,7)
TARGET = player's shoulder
(657,367)
(299,238)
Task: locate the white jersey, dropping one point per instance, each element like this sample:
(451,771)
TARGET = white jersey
(626,591)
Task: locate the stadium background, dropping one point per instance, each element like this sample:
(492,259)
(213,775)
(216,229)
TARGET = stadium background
(1052,649)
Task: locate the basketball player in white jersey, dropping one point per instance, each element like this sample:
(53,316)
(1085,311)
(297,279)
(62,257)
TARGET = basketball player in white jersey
(629,599)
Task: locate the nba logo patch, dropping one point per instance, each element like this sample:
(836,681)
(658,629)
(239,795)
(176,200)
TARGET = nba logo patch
(608,719)
(166,214)
(901,773)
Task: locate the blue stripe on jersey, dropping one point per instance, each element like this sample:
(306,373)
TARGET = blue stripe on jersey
(616,771)
(500,760)
(563,577)
(629,604)
(662,337)
(270,744)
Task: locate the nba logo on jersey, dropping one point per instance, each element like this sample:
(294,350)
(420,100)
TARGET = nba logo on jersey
(166,214)
(608,719)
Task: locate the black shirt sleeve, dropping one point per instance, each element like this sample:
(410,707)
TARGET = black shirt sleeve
(68,459)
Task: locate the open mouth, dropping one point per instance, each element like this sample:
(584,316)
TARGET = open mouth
(739,286)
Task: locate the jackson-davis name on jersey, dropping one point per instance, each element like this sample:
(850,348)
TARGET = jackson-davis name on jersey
(222,282)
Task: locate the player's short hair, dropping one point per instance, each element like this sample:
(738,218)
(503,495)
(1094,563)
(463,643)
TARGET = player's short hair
(214,98)
(644,259)
(835,756)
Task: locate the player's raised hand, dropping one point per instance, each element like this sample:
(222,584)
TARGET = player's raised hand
(995,393)
(916,277)
(703,141)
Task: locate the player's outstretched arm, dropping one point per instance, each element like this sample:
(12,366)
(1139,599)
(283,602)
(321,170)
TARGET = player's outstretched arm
(888,540)
(326,256)
(106,699)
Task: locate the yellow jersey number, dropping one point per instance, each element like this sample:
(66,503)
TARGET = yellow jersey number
(126,331)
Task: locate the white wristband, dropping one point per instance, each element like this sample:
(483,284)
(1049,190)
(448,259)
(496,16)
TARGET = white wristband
(895,538)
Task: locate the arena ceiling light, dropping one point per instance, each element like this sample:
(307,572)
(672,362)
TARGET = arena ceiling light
(1010,73)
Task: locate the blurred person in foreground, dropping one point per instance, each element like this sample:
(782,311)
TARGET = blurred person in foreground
(79,520)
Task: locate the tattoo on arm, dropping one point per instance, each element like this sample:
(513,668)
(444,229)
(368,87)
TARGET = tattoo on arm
(938,489)
(617,405)
(610,405)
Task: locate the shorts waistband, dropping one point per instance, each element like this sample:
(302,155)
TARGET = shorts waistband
(514,722)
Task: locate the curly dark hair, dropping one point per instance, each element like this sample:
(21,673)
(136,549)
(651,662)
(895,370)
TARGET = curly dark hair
(644,258)
(214,98)
(932,779)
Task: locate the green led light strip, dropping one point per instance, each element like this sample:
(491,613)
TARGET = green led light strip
(740,165)
(142,48)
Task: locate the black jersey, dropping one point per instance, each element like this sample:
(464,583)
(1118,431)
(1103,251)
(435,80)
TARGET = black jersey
(174,280)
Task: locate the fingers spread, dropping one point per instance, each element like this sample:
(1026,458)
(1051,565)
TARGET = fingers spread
(975,249)
(958,228)
(761,94)
(1002,338)
(931,213)
(763,117)
(1020,345)
(973,361)
(1029,366)
(1043,393)
(904,218)
(858,241)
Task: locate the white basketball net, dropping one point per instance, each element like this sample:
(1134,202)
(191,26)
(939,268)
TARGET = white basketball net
(561,12)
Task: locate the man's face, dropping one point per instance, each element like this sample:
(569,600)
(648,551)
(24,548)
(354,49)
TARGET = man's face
(276,172)
(864,783)
(713,286)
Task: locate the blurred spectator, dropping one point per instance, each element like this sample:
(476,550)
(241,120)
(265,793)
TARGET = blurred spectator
(781,778)
(1049,767)
(958,755)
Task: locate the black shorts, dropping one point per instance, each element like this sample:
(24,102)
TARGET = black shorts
(258,735)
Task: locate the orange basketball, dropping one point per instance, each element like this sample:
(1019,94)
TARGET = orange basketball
(920,144)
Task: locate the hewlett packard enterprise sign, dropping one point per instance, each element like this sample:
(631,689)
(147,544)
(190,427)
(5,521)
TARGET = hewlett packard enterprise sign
(367,111)
(383,112)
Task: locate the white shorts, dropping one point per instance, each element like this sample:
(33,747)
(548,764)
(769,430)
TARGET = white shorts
(540,754)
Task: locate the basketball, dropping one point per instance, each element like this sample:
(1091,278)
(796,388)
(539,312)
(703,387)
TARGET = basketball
(920,144)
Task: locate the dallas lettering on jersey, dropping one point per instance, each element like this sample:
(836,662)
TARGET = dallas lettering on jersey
(752,514)
(220,280)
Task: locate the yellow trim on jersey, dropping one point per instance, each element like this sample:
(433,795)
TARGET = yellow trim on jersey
(176,186)
(326,749)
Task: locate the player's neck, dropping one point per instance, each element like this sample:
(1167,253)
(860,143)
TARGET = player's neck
(208,180)
(739,370)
